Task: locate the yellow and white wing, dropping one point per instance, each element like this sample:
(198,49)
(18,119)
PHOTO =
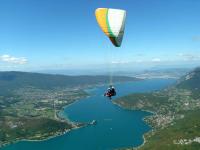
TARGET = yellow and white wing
(112,23)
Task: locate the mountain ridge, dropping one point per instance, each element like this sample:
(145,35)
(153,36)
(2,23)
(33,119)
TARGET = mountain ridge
(11,80)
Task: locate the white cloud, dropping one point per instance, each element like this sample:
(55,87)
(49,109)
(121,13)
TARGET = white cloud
(156,60)
(13,60)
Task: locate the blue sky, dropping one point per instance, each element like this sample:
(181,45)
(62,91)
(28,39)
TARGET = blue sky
(63,34)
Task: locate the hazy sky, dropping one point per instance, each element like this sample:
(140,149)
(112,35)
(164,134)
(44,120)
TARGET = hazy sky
(59,34)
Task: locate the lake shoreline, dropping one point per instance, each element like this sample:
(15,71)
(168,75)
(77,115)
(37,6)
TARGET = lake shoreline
(45,139)
(66,116)
(132,109)
(75,126)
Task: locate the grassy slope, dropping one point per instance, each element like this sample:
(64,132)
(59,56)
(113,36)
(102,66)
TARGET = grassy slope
(30,128)
(171,103)
(186,128)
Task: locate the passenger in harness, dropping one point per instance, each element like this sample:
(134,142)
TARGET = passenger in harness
(110,92)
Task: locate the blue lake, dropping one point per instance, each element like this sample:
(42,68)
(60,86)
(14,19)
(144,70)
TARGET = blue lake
(115,128)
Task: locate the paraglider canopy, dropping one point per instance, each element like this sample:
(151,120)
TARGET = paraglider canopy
(112,23)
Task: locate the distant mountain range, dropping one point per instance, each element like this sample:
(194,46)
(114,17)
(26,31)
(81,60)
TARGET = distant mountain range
(191,80)
(144,73)
(163,73)
(14,80)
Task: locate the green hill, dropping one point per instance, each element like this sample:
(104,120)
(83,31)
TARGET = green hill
(176,121)
(191,80)
(10,81)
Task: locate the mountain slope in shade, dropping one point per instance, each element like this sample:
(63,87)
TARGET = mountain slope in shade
(191,80)
(10,81)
